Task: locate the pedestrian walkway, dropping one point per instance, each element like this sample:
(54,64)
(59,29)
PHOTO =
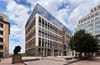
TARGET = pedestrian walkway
(8,61)
(95,61)
(50,61)
(58,60)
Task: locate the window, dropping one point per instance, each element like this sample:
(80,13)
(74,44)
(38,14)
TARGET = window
(97,22)
(92,15)
(42,42)
(97,27)
(95,9)
(40,21)
(1,25)
(99,6)
(39,41)
(91,10)
(1,39)
(97,13)
(1,32)
(89,26)
(97,31)
(97,36)
(1,46)
(1,17)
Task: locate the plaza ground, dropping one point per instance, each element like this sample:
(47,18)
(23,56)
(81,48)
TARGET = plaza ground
(50,61)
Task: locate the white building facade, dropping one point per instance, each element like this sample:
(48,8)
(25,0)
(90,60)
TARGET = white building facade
(91,23)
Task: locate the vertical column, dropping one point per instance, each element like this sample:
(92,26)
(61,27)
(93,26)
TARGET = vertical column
(61,53)
(37,28)
(94,28)
(43,52)
(52,49)
(41,39)
(46,47)
(37,33)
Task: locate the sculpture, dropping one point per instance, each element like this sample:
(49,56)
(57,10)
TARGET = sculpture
(16,58)
(17,49)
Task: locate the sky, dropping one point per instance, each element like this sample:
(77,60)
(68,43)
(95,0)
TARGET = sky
(67,12)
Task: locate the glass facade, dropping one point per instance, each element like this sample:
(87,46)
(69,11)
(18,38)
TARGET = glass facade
(43,12)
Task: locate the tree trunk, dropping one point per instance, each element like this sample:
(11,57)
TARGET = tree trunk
(80,55)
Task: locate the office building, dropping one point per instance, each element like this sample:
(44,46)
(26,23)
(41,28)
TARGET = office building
(45,35)
(4,36)
(91,23)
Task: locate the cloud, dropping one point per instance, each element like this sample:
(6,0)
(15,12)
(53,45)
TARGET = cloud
(67,11)
(19,15)
(16,38)
(82,9)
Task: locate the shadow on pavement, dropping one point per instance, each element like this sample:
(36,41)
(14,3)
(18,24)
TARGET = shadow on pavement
(26,60)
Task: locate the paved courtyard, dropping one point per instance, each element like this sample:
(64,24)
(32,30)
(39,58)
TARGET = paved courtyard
(50,61)
(88,62)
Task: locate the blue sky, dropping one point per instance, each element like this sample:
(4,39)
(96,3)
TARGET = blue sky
(18,12)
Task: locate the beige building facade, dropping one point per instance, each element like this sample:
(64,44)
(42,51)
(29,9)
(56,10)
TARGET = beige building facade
(44,37)
(4,36)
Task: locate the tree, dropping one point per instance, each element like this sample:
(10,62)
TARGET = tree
(84,44)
